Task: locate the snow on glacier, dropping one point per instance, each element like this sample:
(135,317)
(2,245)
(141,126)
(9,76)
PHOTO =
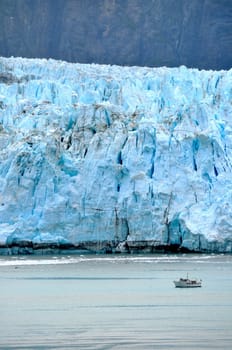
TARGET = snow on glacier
(93,153)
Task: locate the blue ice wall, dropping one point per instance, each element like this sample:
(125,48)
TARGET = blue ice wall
(121,154)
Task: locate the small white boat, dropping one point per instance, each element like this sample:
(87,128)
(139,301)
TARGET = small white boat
(187,283)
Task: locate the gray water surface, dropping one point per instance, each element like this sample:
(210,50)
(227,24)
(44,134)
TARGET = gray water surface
(115,302)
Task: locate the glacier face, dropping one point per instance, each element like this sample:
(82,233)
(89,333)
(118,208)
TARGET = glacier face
(114,158)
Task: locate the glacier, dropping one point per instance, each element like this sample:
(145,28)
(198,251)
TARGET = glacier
(100,158)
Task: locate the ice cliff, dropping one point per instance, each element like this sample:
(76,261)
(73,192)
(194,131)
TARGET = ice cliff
(109,158)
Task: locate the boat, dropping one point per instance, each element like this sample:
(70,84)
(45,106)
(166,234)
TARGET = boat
(187,283)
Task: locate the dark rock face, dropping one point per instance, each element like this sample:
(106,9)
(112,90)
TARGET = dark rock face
(125,32)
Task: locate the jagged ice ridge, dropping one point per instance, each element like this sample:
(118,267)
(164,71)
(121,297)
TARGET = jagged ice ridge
(109,158)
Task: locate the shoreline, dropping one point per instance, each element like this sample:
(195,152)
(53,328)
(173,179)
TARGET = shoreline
(108,247)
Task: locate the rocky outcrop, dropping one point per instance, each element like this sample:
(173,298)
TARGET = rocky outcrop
(145,33)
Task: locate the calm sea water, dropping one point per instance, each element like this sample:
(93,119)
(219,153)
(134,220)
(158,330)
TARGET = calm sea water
(115,302)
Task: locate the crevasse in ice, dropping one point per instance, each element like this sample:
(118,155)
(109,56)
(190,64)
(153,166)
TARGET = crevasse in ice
(127,155)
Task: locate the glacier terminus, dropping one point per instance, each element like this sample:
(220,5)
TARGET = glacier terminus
(99,158)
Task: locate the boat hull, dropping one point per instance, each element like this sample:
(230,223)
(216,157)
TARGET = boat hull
(180,284)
